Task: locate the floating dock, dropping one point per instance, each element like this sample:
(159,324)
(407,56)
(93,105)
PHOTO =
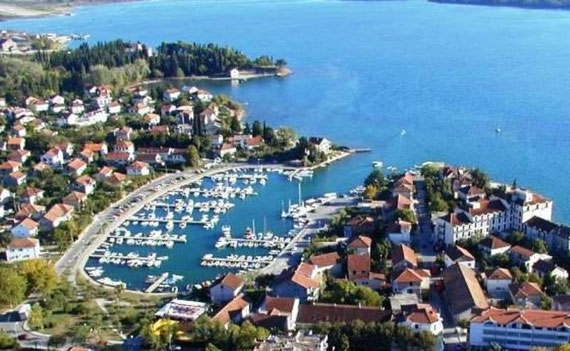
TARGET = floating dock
(157,283)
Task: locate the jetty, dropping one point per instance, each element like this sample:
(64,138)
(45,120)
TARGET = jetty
(162,220)
(209,258)
(157,283)
(149,238)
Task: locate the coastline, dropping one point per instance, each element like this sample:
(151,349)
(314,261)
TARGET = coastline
(20,10)
(131,87)
(100,229)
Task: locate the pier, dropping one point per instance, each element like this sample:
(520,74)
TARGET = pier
(125,257)
(157,283)
(176,240)
(208,258)
(162,220)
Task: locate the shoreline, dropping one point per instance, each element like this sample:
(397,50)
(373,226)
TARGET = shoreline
(25,10)
(100,229)
(131,87)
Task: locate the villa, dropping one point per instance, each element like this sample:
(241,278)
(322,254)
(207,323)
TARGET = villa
(23,249)
(27,228)
(227,289)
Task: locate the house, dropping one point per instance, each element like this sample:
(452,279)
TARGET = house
(124,146)
(31,195)
(529,328)
(525,294)
(322,145)
(100,149)
(313,313)
(227,149)
(153,159)
(184,311)
(497,283)
(8,45)
(359,272)
(56,215)
(235,311)
(167,109)
(151,119)
(140,108)
(544,268)
(23,249)
(104,173)
(14,143)
(116,178)
(253,143)
(20,156)
(102,95)
(87,155)
(57,108)
(421,317)
(9,167)
(53,157)
(399,232)
(403,188)
(36,105)
(303,281)
(457,254)
(277,313)
(491,245)
(74,199)
(119,158)
(411,281)
(30,210)
(114,108)
(327,262)
(561,303)
(123,133)
(138,168)
(360,245)
(27,228)
(5,195)
(18,130)
(403,257)
(39,168)
(301,340)
(15,179)
(77,107)
(68,119)
(217,140)
(227,289)
(85,184)
(359,225)
(160,129)
(203,95)
(462,291)
(76,167)
(526,258)
(171,94)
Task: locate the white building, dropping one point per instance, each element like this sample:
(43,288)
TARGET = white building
(227,289)
(399,232)
(457,254)
(138,168)
(182,310)
(497,283)
(27,228)
(424,318)
(22,249)
(53,157)
(519,329)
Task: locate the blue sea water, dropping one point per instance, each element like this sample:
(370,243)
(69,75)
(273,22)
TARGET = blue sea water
(447,74)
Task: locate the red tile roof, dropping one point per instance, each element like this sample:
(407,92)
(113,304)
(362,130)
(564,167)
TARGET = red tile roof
(234,306)
(23,243)
(404,253)
(535,318)
(325,260)
(360,242)
(232,281)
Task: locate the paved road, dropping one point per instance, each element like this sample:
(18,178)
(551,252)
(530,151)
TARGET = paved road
(424,236)
(11,323)
(292,254)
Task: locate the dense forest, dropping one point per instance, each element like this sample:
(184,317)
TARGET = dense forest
(556,4)
(116,63)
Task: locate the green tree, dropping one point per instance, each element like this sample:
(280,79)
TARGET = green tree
(406,215)
(56,341)
(12,287)
(376,178)
(426,341)
(193,156)
(36,317)
(370,192)
(539,246)
(40,274)
(235,126)
(7,342)
(257,128)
